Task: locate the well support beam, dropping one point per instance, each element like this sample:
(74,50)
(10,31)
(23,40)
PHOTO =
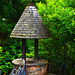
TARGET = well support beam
(24,53)
(24,49)
(36,50)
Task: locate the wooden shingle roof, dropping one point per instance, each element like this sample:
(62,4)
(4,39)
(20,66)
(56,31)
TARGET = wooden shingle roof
(30,25)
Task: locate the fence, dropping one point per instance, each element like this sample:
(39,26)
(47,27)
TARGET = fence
(19,71)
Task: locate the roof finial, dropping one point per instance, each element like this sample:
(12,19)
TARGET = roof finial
(31,0)
(31,3)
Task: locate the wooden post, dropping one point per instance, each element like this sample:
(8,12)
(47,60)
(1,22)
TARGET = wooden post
(36,50)
(24,52)
(24,49)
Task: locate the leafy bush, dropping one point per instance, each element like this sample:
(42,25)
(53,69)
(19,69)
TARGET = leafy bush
(59,19)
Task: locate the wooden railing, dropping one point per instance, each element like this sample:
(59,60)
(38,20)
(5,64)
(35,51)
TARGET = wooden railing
(20,71)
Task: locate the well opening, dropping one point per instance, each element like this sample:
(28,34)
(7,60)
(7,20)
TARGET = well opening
(32,68)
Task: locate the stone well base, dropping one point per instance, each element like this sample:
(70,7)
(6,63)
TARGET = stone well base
(39,68)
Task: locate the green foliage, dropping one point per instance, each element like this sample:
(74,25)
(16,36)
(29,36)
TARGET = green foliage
(59,19)
(5,66)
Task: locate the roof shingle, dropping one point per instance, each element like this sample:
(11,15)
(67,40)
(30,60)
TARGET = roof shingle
(30,25)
